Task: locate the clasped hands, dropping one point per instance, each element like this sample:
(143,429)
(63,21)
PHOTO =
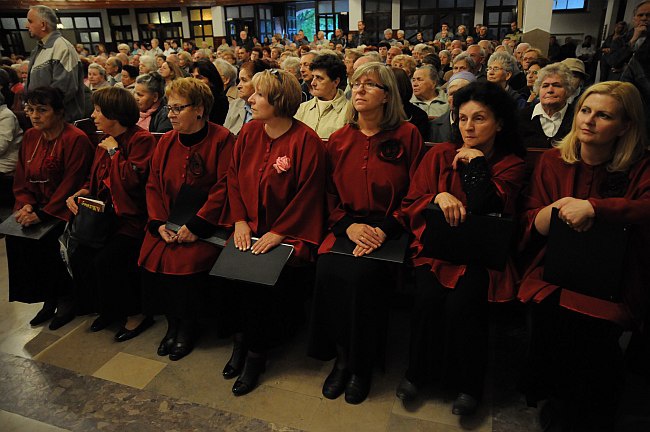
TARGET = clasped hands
(26,216)
(579,214)
(243,239)
(184,235)
(366,238)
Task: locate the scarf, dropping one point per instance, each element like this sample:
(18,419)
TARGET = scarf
(145,117)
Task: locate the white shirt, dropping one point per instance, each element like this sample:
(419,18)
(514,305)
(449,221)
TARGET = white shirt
(550,124)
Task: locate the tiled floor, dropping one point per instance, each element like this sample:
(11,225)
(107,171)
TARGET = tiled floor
(78,380)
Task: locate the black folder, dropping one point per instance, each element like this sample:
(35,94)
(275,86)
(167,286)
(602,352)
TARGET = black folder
(263,269)
(590,262)
(482,239)
(393,250)
(35,232)
(187,204)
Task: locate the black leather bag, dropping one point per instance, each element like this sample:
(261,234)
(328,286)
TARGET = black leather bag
(92,228)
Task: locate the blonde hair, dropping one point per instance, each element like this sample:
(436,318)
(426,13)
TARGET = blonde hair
(195,91)
(631,146)
(408,62)
(394,113)
(281,89)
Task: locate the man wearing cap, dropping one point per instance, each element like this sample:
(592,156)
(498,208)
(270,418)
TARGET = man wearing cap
(580,76)
(442,128)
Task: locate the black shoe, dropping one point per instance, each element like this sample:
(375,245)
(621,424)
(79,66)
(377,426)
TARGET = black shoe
(357,389)
(406,390)
(335,383)
(464,404)
(124,335)
(237,360)
(247,381)
(101,322)
(180,349)
(60,320)
(42,316)
(165,346)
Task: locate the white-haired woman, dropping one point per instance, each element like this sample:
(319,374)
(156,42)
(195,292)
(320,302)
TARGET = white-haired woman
(96,77)
(229,77)
(501,67)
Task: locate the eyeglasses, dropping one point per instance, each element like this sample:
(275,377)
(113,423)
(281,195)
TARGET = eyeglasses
(177,109)
(494,69)
(367,85)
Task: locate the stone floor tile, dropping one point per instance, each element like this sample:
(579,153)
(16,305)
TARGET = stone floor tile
(129,370)
(11,422)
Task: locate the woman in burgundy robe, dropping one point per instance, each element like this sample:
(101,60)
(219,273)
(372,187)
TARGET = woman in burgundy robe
(276,188)
(600,172)
(195,155)
(371,162)
(117,178)
(53,163)
(482,174)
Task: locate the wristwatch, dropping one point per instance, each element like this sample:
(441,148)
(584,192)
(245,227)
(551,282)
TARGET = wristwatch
(111,151)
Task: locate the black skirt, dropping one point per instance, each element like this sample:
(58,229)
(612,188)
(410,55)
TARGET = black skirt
(36,271)
(350,309)
(177,296)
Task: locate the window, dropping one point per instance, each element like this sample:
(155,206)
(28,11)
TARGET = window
(427,16)
(12,32)
(120,25)
(201,26)
(329,16)
(265,23)
(87,28)
(498,16)
(161,24)
(378,17)
(569,5)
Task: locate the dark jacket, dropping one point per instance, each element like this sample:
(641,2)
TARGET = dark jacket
(418,118)
(531,129)
(159,120)
(440,129)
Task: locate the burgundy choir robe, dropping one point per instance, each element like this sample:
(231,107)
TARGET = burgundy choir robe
(554,179)
(204,166)
(290,203)
(121,179)
(435,175)
(364,185)
(46,176)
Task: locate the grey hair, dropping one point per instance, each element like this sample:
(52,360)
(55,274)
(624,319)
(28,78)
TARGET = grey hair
(445,52)
(507,61)
(561,71)
(470,61)
(433,73)
(99,68)
(228,70)
(481,49)
(525,44)
(373,56)
(291,64)
(388,30)
(400,32)
(123,45)
(48,15)
(149,61)
(154,83)
(419,47)
(636,8)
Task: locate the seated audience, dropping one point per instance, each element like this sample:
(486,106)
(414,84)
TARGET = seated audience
(150,97)
(239,111)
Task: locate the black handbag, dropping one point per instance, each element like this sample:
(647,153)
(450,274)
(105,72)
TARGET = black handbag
(91,227)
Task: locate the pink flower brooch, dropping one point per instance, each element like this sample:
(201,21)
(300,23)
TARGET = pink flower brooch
(282,164)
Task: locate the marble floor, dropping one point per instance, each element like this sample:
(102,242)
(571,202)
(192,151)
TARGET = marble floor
(75,380)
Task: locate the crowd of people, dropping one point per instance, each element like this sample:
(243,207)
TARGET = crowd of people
(307,144)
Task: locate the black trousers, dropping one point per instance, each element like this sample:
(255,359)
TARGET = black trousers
(449,331)
(180,297)
(107,280)
(576,360)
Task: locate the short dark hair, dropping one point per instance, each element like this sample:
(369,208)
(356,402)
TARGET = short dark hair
(502,107)
(403,84)
(332,65)
(130,70)
(383,44)
(542,62)
(253,67)
(49,96)
(117,103)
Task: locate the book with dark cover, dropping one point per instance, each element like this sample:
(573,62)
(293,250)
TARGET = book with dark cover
(482,239)
(263,269)
(590,262)
(35,232)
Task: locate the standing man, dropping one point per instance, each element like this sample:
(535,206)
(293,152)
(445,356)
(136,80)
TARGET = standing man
(245,41)
(362,38)
(339,38)
(54,62)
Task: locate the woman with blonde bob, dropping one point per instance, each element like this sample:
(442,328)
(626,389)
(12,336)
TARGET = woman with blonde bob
(194,156)
(599,173)
(276,191)
(371,161)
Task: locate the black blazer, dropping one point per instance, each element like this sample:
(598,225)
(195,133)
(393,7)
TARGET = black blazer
(532,132)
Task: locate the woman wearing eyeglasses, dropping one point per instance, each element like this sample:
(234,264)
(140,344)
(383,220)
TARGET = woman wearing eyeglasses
(106,273)
(196,154)
(52,164)
(531,76)
(371,161)
(276,191)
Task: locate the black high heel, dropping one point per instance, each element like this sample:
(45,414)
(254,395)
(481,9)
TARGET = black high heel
(237,360)
(249,377)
